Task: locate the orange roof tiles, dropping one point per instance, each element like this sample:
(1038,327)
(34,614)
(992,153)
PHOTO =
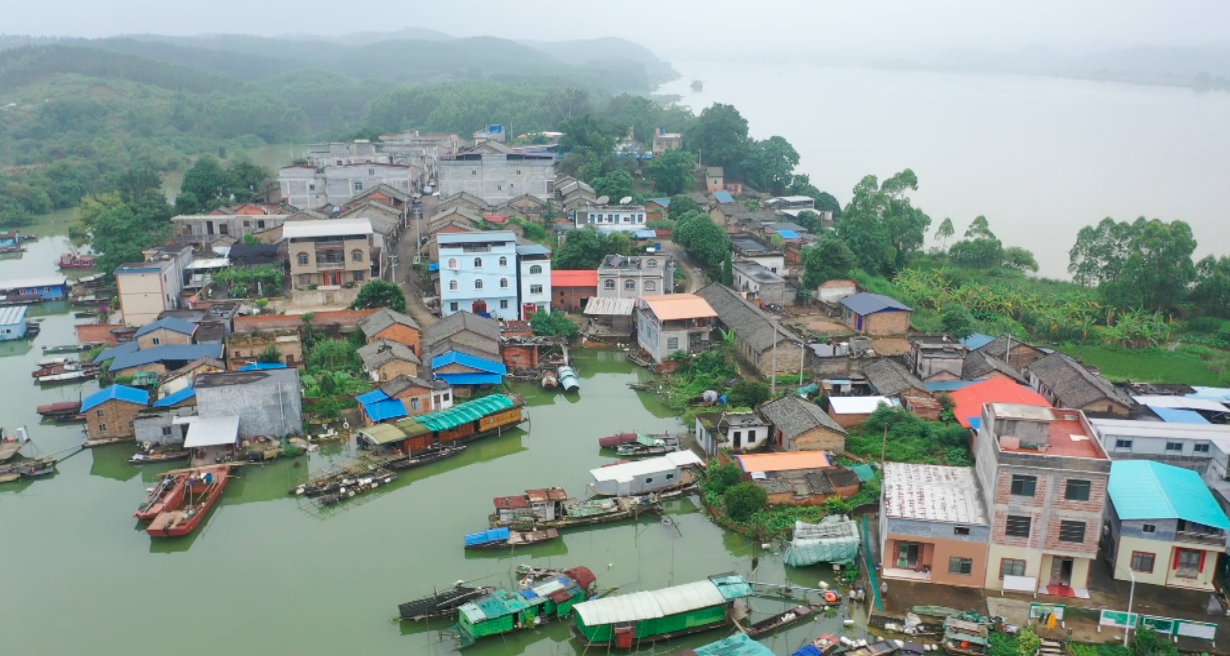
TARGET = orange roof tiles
(969,400)
(574,278)
(675,307)
(785,461)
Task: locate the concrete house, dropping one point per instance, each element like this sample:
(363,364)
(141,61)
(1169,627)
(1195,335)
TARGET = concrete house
(1066,383)
(478,273)
(168,330)
(1044,477)
(112,411)
(664,141)
(13,322)
(616,218)
(677,322)
(935,357)
(148,288)
(749,248)
(394,326)
(329,253)
(728,431)
(307,186)
(833,291)
(533,279)
(205,229)
(267,402)
(385,360)
(620,276)
(873,314)
(758,283)
(497,173)
(933,525)
(799,425)
(715,178)
(572,289)
(1164,526)
(1203,448)
(759,339)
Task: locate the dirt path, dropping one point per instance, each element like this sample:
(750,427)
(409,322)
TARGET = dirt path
(408,278)
(696,277)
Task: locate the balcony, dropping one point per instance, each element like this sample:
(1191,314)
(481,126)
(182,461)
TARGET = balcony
(332,243)
(331,266)
(1206,539)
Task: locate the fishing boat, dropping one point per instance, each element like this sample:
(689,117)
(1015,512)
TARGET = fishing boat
(68,377)
(698,85)
(72,348)
(440,604)
(550,380)
(538,602)
(503,538)
(167,494)
(16,471)
(551,508)
(568,379)
(203,489)
(89,299)
(11,445)
(76,261)
(20,299)
(615,440)
(61,409)
(85,315)
(427,457)
(779,621)
(648,445)
(635,620)
(51,362)
(54,369)
(337,481)
(821,646)
(151,457)
(378,478)
(91,280)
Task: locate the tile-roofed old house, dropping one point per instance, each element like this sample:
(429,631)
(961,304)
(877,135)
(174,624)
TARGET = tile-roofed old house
(390,324)
(465,328)
(1068,384)
(799,425)
(385,359)
(890,378)
(755,331)
(1014,352)
(978,365)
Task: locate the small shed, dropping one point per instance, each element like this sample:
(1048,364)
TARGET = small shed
(210,436)
(642,476)
(852,411)
(873,314)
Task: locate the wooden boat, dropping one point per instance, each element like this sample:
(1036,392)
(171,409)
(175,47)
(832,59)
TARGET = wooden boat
(568,379)
(151,457)
(15,471)
(551,508)
(10,446)
(963,637)
(91,279)
(779,621)
(616,440)
(648,445)
(823,645)
(33,328)
(427,457)
(68,377)
(76,261)
(550,380)
(203,490)
(440,604)
(20,299)
(55,369)
(89,299)
(72,348)
(51,362)
(85,315)
(167,494)
(503,538)
(376,479)
(61,409)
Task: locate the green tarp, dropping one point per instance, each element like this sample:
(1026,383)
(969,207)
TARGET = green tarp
(864,472)
(736,645)
(465,413)
(834,540)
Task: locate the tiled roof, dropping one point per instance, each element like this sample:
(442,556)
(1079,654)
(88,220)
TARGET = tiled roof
(459,321)
(978,364)
(890,378)
(383,351)
(574,278)
(997,347)
(404,382)
(750,323)
(794,416)
(1072,384)
(371,325)
(867,303)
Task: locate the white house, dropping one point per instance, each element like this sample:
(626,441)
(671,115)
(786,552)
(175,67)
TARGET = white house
(478,273)
(534,279)
(731,432)
(642,476)
(622,218)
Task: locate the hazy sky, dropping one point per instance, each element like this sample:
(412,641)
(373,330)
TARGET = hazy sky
(674,28)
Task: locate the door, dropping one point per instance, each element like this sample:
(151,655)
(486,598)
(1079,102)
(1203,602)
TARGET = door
(479,307)
(333,278)
(738,441)
(1188,563)
(907,555)
(1061,571)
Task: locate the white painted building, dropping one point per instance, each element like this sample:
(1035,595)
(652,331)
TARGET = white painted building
(642,476)
(307,187)
(534,279)
(497,173)
(621,218)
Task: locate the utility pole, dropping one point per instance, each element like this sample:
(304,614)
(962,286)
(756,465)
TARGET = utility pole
(1131,594)
(773,383)
(884,447)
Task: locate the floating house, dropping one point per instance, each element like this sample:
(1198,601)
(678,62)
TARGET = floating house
(44,288)
(649,475)
(110,412)
(471,420)
(631,620)
(12,322)
(504,611)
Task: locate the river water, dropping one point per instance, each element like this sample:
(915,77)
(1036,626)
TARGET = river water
(1039,157)
(268,575)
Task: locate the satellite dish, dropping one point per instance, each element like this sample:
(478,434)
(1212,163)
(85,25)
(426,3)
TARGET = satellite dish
(603,200)
(626,200)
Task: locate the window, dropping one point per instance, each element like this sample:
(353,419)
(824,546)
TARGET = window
(357,276)
(452,263)
(102,427)
(371,171)
(358,186)
(1188,563)
(651,286)
(166,430)
(503,261)
(535,289)
(478,284)
(536,269)
(260,224)
(478,263)
(1011,567)
(98,413)
(414,404)
(610,284)
(304,280)
(648,480)
(1142,562)
(247,224)
(670,477)
(445,397)
(960,565)
(1077,490)
(1017,526)
(223,229)
(630,285)
(960,530)
(1123,444)
(303,259)
(1174,446)
(1071,531)
(503,305)
(652,264)
(452,286)
(1024,486)
(503,283)
(1148,528)
(356,255)
(473,171)
(311,187)
(1200,448)
(672,344)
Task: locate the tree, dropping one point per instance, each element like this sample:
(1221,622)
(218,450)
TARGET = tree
(1145,264)
(880,224)
(981,253)
(1099,252)
(1020,259)
(586,248)
(380,294)
(246,181)
(671,172)
(744,500)
(829,259)
(720,477)
(553,324)
(979,229)
(958,321)
(704,240)
(681,205)
(270,354)
(769,164)
(1212,291)
(334,355)
(747,394)
(719,134)
(208,182)
(615,185)
(944,232)
(589,135)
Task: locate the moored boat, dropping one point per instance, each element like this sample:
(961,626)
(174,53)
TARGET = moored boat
(634,620)
(503,538)
(615,440)
(779,621)
(51,362)
(376,479)
(15,471)
(551,508)
(68,377)
(825,644)
(151,457)
(72,348)
(503,611)
(568,379)
(68,367)
(427,457)
(61,409)
(550,380)
(440,604)
(10,445)
(203,489)
(648,445)
(90,300)
(76,261)
(167,494)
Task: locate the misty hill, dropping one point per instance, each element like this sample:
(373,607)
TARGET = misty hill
(1207,65)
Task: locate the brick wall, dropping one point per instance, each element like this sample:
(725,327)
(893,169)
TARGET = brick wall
(117,417)
(1048,508)
(400,334)
(886,323)
(520,357)
(571,299)
(162,337)
(394,368)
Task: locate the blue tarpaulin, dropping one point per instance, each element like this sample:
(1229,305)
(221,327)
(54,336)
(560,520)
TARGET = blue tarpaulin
(787,234)
(1179,416)
(434,266)
(486,537)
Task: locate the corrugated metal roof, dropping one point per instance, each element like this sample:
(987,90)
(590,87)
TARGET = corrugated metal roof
(329,228)
(736,645)
(383,434)
(465,413)
(620,608)
(932,493)
(977,341)
(625,471)
(1176,416)
(172,399)
(867,303)
(115,393)
(723,197)
(471,379)
(212,431)
(968,401)
(166,352)
(15,314)
(610,307)
(1178,402)
(467,360)
(687,597)
(1143,489)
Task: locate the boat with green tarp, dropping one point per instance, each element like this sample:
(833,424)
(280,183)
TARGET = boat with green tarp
(549,598)
(629,621)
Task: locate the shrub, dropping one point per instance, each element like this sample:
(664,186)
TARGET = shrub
(744,500)
(721,477)
(746,394)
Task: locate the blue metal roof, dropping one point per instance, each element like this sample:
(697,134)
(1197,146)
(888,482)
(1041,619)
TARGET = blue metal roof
(467,360)
(977,341)
(949,385)
(867,303)
(723,197)
(1210,393)
(115,393)
(114,351)
(170,323)
(380,406)
(471,379)
(374,396)
(788,234)
(165,353)
(664,201)
(1179,415)
(262,366)
(1143,489)
(172,399)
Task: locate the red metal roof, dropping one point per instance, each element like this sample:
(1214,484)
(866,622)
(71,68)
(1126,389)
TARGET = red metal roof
(969,400)
(574,278)
(512,502)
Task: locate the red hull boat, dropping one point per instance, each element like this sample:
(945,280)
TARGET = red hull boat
(203,491)
(167,495)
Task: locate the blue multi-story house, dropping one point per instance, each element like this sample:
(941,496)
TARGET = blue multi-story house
(478,273)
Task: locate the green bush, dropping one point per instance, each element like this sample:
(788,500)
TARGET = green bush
(744,500)
(720,477)
(747,394)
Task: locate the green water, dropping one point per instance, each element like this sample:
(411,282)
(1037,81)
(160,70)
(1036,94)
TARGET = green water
(269,574)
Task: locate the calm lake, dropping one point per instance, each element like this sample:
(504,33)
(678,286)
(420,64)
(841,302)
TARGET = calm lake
(1039,157)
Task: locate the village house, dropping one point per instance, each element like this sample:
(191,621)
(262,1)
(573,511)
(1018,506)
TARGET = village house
(758,283)
(935,357)
(267,402)
(1203,448)
(751,249)
(1066,383)
(728,431)
(308,186)
(1163,526)
(933,526)
(620,276)
(980,366)
(643,476)
(572,289)
(664,141)
(110,412)
(677,322)
(1044,476)
(157,426)
(715,179)
(203,230)
(247,348)
(533,279)
(385,360)
(165,331)
(464,331)
(808,487)
(359,151)
(497,173)
(128,359)
(571,193)
(968,401)
(1013,352)
(610,318)
(614,218)
(329,253)
(852,411)
(873,314)
(892,379)
(418,395)
(478,273)
(799,425)
(840,361)
(331,322)
(764,344)
(152,286)
(392,325)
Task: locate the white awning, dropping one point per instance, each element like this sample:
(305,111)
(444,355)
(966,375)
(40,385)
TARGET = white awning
(1020,583)
(609,306)
(212,431)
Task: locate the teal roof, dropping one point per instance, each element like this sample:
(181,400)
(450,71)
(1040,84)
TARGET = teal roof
(1143,489)
(736,645)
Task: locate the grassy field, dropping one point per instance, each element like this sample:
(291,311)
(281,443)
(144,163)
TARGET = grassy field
(1149,365)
